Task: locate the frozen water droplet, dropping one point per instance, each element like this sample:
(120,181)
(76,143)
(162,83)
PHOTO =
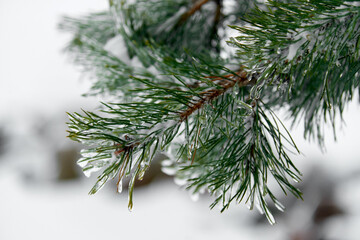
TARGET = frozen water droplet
(189,152)
(82,162)
(89,169)
(86,153)
(250,205)
(141,174)
(168,170)
(180,181)
(130,206)
(119,187)
(270,218)
(144,167)
(100,184)
(234,92)
(296,180)
(259,208)
(112,174)
(279,206)
(195,197)
(166,163)
(243,105)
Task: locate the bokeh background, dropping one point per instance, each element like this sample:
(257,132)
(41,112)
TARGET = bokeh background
(43,194)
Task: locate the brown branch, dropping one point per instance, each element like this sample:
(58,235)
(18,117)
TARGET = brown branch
(185,16)
(225,82)
(125,149)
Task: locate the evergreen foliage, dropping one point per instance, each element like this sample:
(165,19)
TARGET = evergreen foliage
(178,88)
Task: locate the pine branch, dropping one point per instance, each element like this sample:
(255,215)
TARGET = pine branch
(217,124)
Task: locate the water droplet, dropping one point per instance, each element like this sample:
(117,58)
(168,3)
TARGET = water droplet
(279,206)
(144,166)
(167,163)
(295,180)
(99,184)
(180,181)
(250,205)
(195,196)
(112,174)
(82,162)
(89,169)
(141,174)
(243,105)
(168,170)
(130,206)
(119,187)
(270,218)
(259,208)
(86,153)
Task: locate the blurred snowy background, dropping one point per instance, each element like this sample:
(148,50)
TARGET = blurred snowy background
(43,194)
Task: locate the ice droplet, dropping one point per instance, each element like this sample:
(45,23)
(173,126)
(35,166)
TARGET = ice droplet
(99,184)
(82,162)
(112,174)
(141,175)
(119,187)
(130,206)
(168,170)
(270,218)
(243,105)
(295,180)
(86,153)
(195,197)
(89,169)
(259,208)
(249,206)
(144,167)
(180,181)
(166,163)
(279,206)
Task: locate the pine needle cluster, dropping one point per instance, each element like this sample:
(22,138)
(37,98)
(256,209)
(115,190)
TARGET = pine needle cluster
(200,80)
